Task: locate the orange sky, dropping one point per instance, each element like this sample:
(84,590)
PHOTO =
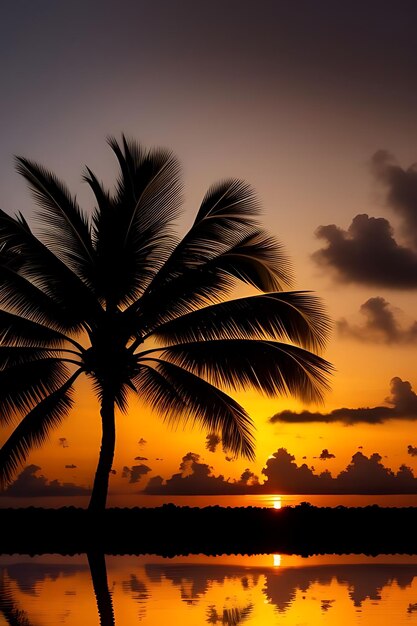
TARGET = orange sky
(294,102)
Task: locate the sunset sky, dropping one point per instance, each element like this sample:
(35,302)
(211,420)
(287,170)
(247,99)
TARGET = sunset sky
(312,103)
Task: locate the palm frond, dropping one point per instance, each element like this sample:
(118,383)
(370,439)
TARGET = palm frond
(68,230)
(11,357)
(19,296)
(268,366)
(295,316)
(8,606)
(22,386)
(231,198)
(16,331)
(46,271)
(34,429)
(250,261)
(258,260)
(133,230)
(180,396)
(226,225)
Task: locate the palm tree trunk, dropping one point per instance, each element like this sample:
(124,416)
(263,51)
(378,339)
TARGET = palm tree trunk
(108,440)
(97,563)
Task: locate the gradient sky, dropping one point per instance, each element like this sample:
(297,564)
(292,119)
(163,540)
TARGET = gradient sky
(312,103)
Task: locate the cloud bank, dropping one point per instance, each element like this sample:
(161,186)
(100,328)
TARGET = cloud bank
(403,401)
(29,483)
(281,474)
(196,477)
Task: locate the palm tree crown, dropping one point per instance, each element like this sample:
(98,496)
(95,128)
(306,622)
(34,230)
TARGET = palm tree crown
(119,298)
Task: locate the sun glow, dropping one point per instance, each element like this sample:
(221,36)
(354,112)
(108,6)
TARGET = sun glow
(277,504)
(277,560)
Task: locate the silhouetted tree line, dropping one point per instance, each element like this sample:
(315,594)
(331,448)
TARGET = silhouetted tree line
(171,530)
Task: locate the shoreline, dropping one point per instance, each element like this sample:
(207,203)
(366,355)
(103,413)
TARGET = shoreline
(170,530)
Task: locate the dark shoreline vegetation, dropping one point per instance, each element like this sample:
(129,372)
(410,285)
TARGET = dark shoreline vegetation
(170,530)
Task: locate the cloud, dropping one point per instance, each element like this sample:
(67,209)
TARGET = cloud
(141,458)
(212,442)
(367,253)
(381,325)
(135,473)
(29,484)
(63,441)
(281,474)
(401,188)
(412,450)
(363,475)
(72,466)
(325,455)
(194,477)
(403,401)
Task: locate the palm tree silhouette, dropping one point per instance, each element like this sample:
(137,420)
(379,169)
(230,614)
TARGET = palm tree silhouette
(120,299)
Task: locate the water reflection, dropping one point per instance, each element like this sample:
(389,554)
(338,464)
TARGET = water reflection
(71,590)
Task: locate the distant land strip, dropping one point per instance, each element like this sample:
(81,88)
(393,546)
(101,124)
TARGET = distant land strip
(170,530)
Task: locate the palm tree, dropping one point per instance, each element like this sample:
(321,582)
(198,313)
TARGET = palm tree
(121,300)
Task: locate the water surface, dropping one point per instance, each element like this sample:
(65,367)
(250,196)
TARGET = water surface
(258,500)
(264,590)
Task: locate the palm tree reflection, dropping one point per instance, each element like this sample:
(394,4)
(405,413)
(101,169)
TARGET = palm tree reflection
(11,613)
(97,563)
(229,617)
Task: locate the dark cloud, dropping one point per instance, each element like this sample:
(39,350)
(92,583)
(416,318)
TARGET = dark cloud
(403,398)
(72,466)
(363,475)
(403,401)
(194,477)
(135,473)
(248,478)
(325,455)
(412,450)
(63,441)
(401,188)
(281,474)
(141,458)
(367,253)
(381,324)
(212,442)
(29,484)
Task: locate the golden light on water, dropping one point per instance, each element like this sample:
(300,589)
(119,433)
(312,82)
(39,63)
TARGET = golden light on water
(277,560)
(277,503)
